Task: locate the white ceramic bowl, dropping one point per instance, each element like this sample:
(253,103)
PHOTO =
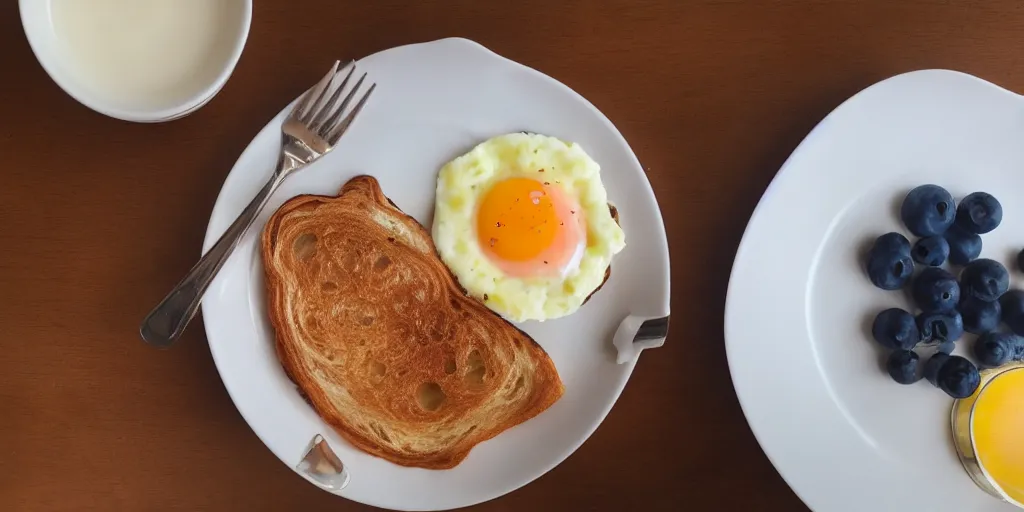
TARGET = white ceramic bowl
(37,22)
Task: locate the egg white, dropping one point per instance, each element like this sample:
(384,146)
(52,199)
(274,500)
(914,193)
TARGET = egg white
(462,183)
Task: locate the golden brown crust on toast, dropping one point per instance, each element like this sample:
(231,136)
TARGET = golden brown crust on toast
(382,341)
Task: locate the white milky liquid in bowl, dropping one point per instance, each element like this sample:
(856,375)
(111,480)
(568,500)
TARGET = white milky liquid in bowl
(146,54)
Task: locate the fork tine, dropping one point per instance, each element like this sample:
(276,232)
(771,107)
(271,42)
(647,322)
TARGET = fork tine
(333,120)
(313,96)
(318,121)
(336,132)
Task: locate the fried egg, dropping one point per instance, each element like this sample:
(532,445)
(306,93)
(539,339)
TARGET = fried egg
(523,222)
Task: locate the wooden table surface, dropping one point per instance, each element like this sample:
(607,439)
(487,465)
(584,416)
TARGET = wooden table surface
(99,218)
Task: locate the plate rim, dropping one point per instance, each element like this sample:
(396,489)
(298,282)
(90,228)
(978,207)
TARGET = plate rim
(211,236)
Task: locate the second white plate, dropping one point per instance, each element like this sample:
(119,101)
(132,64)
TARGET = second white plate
(799,309)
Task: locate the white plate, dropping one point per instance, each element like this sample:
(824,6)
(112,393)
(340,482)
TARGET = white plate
(433,102)
(799,309)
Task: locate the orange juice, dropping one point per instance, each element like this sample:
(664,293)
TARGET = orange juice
(997,432)
(988,433)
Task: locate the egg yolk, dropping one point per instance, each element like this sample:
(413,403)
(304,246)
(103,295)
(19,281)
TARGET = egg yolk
(517,220)
(529,228)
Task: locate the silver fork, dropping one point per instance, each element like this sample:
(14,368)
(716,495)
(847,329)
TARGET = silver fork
(312,129)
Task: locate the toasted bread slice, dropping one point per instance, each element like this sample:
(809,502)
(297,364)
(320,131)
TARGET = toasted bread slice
(380,339)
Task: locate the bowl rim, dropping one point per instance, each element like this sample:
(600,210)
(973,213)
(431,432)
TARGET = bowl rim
(36,30)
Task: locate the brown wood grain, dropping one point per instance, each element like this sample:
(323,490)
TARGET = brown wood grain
(99,218)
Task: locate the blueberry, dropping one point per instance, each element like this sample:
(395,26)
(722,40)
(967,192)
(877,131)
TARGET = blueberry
(893,242)
(933,365)
(931,250)
(946,347)
(936,290)
(979,316)
(1020,260)
(928,210)
(979,213)
(958,377)
(902,366)
(963,245)
(984,279)
(895,328)
(1018,349)
(943,326)
(996,348)
(889,264)
(1012,303)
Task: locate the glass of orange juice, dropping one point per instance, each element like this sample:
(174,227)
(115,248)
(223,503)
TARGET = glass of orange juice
(988,431)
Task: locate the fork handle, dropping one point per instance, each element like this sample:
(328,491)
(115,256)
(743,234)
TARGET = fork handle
(168,320)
